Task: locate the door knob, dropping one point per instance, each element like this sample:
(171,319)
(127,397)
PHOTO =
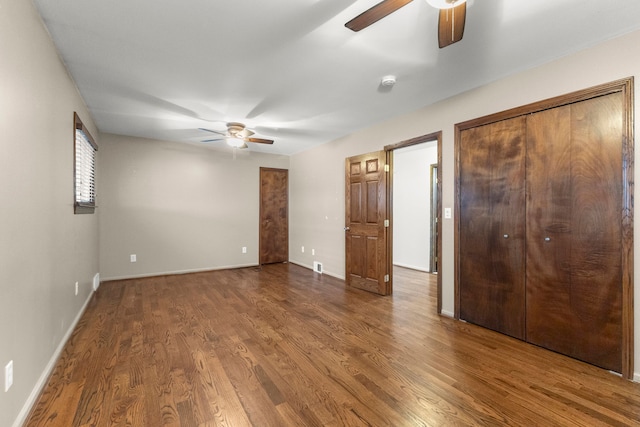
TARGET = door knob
(506,236)
(347,228)
(547,239)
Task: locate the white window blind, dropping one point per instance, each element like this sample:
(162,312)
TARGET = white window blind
(85,169)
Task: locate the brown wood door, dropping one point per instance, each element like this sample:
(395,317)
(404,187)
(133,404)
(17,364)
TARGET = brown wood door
(367,256)
(274,215)
(492,227)
(574,191)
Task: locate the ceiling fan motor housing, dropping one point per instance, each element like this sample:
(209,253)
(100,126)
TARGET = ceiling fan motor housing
(235,128)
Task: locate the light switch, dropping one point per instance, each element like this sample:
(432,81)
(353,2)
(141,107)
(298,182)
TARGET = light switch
(447,213)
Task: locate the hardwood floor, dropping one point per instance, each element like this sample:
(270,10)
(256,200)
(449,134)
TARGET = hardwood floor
(283,346)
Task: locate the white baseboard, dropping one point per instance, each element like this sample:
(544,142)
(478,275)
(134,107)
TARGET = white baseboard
(447,314)
(412,267)
(203,270)
(174,272)
(48,370)
(334,275)
(96,281)
(301,264)
(310,267)
(636,377)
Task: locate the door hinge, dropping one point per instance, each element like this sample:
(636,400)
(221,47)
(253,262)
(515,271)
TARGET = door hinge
(386,223)
(386,168)
(386,278)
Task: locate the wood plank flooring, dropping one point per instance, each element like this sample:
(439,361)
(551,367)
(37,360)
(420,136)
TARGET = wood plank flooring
(283,346)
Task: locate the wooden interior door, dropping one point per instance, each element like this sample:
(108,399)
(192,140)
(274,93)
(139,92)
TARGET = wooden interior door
(274,215)
(574,255)
(492,226)
(366,234)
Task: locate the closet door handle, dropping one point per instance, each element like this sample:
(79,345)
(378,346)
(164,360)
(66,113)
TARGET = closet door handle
(547,239)
(506,236)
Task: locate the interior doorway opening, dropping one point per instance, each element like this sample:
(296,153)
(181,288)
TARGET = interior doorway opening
(415,198)
(432,220)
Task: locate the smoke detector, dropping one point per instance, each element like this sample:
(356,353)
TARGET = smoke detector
(388,81)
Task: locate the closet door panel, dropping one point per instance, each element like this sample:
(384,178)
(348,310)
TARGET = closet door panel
(549,209)
(492,229)
(574,193)
(597,232)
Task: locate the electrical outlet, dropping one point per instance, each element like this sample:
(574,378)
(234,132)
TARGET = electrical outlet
(8,376)
(244,249)
(134,258)
(76,288)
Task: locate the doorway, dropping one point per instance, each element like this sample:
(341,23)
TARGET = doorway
(413,210)
(432,179)
(366,205)
(274,215)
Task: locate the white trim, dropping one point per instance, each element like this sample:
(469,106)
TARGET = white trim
(447,314)
(412,267)
(175,272)
(636,377)
(48,370)
(324,272)
(328,273)
(96,281)
(300,264)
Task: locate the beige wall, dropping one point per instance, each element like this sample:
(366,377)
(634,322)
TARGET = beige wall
(317,175)
(44,247)
(178,207)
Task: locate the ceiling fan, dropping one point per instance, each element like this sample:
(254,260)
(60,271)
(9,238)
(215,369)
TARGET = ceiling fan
(450,24)
(237,135)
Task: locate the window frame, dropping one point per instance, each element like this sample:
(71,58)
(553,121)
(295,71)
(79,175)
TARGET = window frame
(83,206)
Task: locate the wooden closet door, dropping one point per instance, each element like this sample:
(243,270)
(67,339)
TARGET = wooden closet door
(492,227)
(274,215)
(574,205)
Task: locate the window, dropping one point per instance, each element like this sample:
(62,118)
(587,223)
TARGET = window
(85,169)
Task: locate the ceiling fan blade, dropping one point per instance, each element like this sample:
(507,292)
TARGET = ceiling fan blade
(451,25)
(213,131)
(259,140)
(374,14)
(213,140)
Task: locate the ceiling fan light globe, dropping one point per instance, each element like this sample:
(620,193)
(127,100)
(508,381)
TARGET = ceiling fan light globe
(235,142)
(445,4)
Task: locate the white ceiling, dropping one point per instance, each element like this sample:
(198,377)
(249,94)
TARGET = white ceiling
(290,70)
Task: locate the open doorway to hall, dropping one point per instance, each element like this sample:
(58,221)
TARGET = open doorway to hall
(415,201)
